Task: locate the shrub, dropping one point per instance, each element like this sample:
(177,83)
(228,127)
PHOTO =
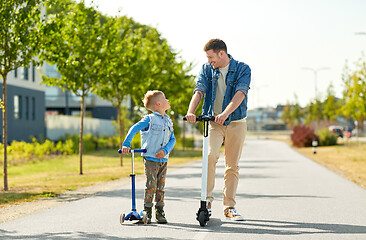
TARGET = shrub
(327,138)
(303,136)
(89,143)
(136,141)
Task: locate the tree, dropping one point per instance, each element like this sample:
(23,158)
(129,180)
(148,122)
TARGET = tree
(137,59)
(20,33)
(74,45)
(331,105)
(314,112)
(121,54)
(293,114)
(355,93)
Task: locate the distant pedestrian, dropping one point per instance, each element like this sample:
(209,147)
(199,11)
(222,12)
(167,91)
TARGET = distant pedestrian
(224,83)
(158,139)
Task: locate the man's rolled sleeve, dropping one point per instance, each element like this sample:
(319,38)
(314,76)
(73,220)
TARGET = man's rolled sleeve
(244,80)
(201,84)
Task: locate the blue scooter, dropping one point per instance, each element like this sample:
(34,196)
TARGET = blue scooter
(133,215)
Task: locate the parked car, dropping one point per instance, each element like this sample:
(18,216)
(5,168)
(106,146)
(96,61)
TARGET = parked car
(338,130)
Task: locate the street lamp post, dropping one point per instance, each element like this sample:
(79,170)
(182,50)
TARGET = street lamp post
(315,71)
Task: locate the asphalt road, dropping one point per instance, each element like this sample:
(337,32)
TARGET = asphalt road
(282,195)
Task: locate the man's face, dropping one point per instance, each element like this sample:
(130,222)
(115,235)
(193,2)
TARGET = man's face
(216,59)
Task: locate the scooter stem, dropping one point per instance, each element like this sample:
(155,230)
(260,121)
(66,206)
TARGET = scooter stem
(204,161)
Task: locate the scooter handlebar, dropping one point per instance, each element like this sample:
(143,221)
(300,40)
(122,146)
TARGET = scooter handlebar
(134,150)
(201,118)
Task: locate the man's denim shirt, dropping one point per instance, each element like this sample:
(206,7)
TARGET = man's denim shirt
(237,79)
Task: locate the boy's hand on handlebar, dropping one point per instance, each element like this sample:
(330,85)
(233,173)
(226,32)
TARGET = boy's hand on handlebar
(191,117)
(220,119)
(126,150)
(160,154)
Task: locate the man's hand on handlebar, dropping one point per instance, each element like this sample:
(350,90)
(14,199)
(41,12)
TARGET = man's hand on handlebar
(220,119)
(191,117)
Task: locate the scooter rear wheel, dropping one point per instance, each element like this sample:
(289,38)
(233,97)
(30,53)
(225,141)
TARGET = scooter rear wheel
(202,218)
(122,218)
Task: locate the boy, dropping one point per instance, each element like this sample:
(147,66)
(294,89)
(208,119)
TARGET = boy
(158,139)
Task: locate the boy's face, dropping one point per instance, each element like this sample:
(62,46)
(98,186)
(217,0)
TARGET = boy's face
(164,103)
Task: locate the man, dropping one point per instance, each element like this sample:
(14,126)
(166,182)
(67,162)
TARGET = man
(224,84)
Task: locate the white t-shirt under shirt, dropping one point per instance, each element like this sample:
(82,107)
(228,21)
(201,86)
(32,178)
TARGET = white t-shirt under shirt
(220,92)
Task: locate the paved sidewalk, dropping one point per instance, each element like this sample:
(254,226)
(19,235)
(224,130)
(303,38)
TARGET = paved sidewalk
(282,195)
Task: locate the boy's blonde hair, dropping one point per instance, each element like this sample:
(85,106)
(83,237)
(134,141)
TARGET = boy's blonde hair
(150,98)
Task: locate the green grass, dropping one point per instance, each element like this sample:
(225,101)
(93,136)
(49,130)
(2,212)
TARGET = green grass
(52,177)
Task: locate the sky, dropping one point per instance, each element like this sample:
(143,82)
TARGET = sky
(279,39)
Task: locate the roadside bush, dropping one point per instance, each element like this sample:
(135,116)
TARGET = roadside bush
(303,136)
(21,152)
(188,142)
(102,143)
(136,141)
(327,138)
(89,143)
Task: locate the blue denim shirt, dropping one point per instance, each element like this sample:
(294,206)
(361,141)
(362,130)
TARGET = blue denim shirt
(156,133)
(237,79)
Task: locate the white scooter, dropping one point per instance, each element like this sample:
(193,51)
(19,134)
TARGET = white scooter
(203,215)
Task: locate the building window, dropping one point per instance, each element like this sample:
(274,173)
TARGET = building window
(16,73)
(33,108)
(27,108)
(25,73)
(17,107)
(33,74)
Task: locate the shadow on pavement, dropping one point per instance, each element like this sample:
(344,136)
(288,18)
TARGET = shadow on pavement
(68,235)
(252,226)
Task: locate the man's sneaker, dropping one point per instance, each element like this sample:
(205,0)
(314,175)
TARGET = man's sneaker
(232,214)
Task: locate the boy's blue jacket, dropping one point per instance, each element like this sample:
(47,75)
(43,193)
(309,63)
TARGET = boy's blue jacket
(156,133)
(237,79)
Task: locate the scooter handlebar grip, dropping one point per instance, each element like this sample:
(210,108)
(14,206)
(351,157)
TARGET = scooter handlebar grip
(135,150)
(201,118)
(139,150)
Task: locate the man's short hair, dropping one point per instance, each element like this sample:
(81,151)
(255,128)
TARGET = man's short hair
(216,45)
(150,98)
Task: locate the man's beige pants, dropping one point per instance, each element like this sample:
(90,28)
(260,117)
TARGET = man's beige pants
(233,137)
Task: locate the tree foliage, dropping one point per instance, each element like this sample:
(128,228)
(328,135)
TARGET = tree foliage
(355,92)
(293,113)
(135,59)
(20,34)
(332,105)
(75,45)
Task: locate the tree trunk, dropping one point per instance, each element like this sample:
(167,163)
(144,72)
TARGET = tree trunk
(5,135)
(81,133)
(120,128)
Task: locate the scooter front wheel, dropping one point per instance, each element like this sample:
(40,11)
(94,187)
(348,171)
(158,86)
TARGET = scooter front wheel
(202,218)
(122,218)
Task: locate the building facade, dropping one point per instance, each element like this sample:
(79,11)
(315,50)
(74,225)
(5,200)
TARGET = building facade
(66,103)
(25,104)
